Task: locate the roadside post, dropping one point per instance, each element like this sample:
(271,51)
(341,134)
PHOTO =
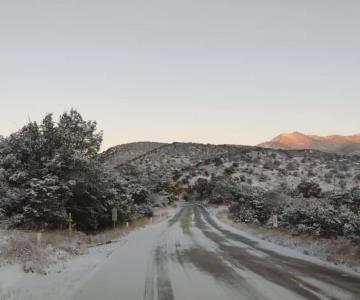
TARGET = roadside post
(39,238)
(275,221)
(114,216)
(69,220)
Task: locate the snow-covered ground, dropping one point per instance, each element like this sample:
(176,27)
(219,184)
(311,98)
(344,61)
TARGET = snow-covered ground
(340,252)
(16,284)
(44,272)
(184,258)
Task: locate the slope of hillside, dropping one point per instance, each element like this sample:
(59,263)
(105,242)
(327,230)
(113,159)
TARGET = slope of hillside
(180,165)
(333,143)
(313,192)
(123,153)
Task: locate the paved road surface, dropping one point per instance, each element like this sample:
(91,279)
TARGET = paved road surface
(193,256)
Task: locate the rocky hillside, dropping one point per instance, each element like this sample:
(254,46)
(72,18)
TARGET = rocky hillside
(311,192)
(182,164)
(333,143)
(123,153)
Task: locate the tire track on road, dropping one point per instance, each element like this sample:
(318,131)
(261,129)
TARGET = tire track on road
(241,259)
(280,269)
(211,263)
(158,283)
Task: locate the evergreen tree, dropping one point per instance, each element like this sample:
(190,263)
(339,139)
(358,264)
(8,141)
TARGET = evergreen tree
(50,169)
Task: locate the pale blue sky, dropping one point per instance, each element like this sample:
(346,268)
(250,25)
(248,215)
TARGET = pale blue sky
(225,71)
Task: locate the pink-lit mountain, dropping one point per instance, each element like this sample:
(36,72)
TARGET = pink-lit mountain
(332,143)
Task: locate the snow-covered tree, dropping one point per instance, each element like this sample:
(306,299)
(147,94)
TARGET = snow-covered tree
(50,169)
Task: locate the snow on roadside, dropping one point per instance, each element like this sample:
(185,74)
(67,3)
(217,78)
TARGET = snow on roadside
(314,250)
(63,271)
(60,278)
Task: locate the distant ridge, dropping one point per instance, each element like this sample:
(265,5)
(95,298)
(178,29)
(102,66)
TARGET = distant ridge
(332,143)
(126,152)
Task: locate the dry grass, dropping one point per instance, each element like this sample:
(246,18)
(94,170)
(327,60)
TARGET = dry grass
(338,251)
(35,255)
(114,234)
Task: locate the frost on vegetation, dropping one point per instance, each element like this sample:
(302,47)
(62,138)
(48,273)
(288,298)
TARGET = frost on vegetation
(305,209)
(50,169)
(36,256)
(15,294)
(257,183)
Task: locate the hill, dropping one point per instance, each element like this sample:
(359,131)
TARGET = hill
(123,153)
(180,165)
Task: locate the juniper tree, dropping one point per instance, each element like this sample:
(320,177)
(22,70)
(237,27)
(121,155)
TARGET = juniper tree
(49,169)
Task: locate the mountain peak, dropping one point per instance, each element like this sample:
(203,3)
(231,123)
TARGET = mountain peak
(332,143)
(291,139)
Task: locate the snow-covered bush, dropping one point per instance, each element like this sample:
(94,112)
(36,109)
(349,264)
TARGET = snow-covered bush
(309,189)
(50,169)
(250,205)
(320,217)
(331,217)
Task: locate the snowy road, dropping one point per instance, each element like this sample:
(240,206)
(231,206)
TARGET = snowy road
(193,256)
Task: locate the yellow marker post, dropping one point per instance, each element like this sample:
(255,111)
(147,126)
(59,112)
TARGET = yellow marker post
(69,220)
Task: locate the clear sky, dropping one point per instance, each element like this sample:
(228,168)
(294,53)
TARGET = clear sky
(224,71)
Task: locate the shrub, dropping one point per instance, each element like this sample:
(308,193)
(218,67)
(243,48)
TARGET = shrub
(52,168)
(320,217)
(203,188)
(229,171)
(309,189)
(218,161)
(250,206)
(291,166)
(269,165)
(263,178)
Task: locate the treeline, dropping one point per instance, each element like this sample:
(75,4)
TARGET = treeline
(305,209)
(49,169)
